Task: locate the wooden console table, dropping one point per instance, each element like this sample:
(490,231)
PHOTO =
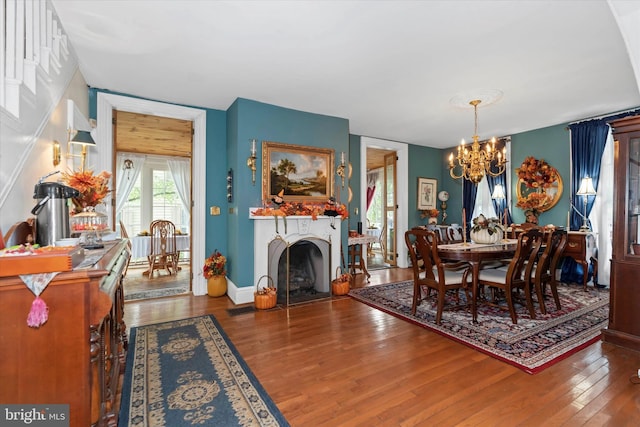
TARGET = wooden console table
(77,356)
(581,246)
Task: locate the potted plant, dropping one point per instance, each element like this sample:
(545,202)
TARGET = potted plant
(486,230)
(214,271)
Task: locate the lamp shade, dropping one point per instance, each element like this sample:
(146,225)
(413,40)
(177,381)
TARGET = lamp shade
(83,137)
(586,187)
(498,192)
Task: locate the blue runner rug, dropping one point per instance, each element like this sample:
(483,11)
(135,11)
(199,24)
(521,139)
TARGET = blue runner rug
(532,344)
(186,373)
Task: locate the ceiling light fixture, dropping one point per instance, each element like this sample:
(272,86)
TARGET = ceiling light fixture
(477,163)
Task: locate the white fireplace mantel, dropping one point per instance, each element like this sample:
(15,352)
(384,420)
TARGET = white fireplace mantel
(297,228)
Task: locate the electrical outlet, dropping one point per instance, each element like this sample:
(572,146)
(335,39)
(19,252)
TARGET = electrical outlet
(638,373)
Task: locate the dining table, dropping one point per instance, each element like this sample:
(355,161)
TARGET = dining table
(475,254)
(141,245)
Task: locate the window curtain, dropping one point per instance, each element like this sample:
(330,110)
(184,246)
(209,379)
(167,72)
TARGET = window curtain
(181,173)
(372,178)
(469,190)
(603,214)
(500,205)
(126,178)
(588,140)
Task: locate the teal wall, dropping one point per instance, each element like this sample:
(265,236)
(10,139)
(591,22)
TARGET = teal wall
(246,120)
(424,162)
(354,184)
(553,145)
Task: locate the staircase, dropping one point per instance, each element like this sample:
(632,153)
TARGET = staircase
(36,66)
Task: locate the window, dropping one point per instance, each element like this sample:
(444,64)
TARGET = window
(154,196)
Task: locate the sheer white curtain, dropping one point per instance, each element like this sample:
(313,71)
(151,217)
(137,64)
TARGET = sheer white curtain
(126,177)
(181,173)
(601,215)
(484,204)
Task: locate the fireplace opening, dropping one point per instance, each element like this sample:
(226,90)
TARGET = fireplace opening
(302,271)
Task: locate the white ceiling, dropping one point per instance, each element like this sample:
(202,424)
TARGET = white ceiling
(390,67)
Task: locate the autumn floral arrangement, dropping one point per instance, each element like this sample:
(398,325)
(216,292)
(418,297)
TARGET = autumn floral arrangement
(537,175)
(214,265)
(492,225)
(302,209)
(93,188)
(431,213)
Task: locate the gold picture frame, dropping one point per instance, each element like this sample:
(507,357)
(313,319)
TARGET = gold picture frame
(304,173)
(427,193)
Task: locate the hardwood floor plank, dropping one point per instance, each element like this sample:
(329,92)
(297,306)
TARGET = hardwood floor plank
(342,363)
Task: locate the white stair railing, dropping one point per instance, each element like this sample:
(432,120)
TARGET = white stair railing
(32,40)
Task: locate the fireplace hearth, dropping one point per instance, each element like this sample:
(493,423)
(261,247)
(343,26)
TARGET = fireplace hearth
(298,257)
(302,271)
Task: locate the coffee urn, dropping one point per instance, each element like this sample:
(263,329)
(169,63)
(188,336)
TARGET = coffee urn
(52,211)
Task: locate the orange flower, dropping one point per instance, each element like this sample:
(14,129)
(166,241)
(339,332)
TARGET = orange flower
(93,188)
(537,173)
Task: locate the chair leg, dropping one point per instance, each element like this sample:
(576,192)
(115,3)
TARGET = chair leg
(527,295)
(540,294)
(417,296)
(441,295)
(554,290)
(512,310)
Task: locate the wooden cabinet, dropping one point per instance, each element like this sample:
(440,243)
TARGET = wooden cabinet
(581,246)
(77,356)
(624,311)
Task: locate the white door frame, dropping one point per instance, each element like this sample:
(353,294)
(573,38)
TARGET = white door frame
(402,188)
(106,104)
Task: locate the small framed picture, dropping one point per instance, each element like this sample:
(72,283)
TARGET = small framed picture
(427,193)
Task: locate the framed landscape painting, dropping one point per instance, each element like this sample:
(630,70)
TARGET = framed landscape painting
(304,173)
(427,193)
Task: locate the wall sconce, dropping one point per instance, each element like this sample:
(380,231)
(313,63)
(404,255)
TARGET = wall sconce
(83,138)
(127,166)
(56,153)
(340,170)
(251,161)
(230,186)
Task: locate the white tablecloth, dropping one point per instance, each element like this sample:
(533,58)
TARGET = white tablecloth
(140,245)
(375,232)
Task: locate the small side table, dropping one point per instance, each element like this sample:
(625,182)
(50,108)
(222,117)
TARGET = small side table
(356,254)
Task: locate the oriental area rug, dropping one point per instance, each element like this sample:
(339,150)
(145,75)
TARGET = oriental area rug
(188,373)
(531,345)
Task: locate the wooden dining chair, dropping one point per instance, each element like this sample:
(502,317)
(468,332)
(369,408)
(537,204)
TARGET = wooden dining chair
(162,250)
(454,234)
(545,271)
(518,275)
(125,235)
(431,273)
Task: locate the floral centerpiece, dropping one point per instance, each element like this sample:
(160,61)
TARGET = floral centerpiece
(93,188)
(432,214)
(214,265)
(486,230)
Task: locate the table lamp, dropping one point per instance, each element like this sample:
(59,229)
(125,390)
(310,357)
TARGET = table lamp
(586,189)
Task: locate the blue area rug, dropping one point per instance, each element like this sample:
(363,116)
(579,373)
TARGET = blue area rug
(532,344)
(186,373)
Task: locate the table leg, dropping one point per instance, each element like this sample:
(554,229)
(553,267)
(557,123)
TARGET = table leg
(475,271)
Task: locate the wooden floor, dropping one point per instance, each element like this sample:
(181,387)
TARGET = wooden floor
(341,363)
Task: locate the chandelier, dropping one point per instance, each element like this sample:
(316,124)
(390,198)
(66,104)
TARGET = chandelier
(477,163)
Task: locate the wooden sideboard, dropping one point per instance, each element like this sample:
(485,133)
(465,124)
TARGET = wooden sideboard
(77,356)
(581,246)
